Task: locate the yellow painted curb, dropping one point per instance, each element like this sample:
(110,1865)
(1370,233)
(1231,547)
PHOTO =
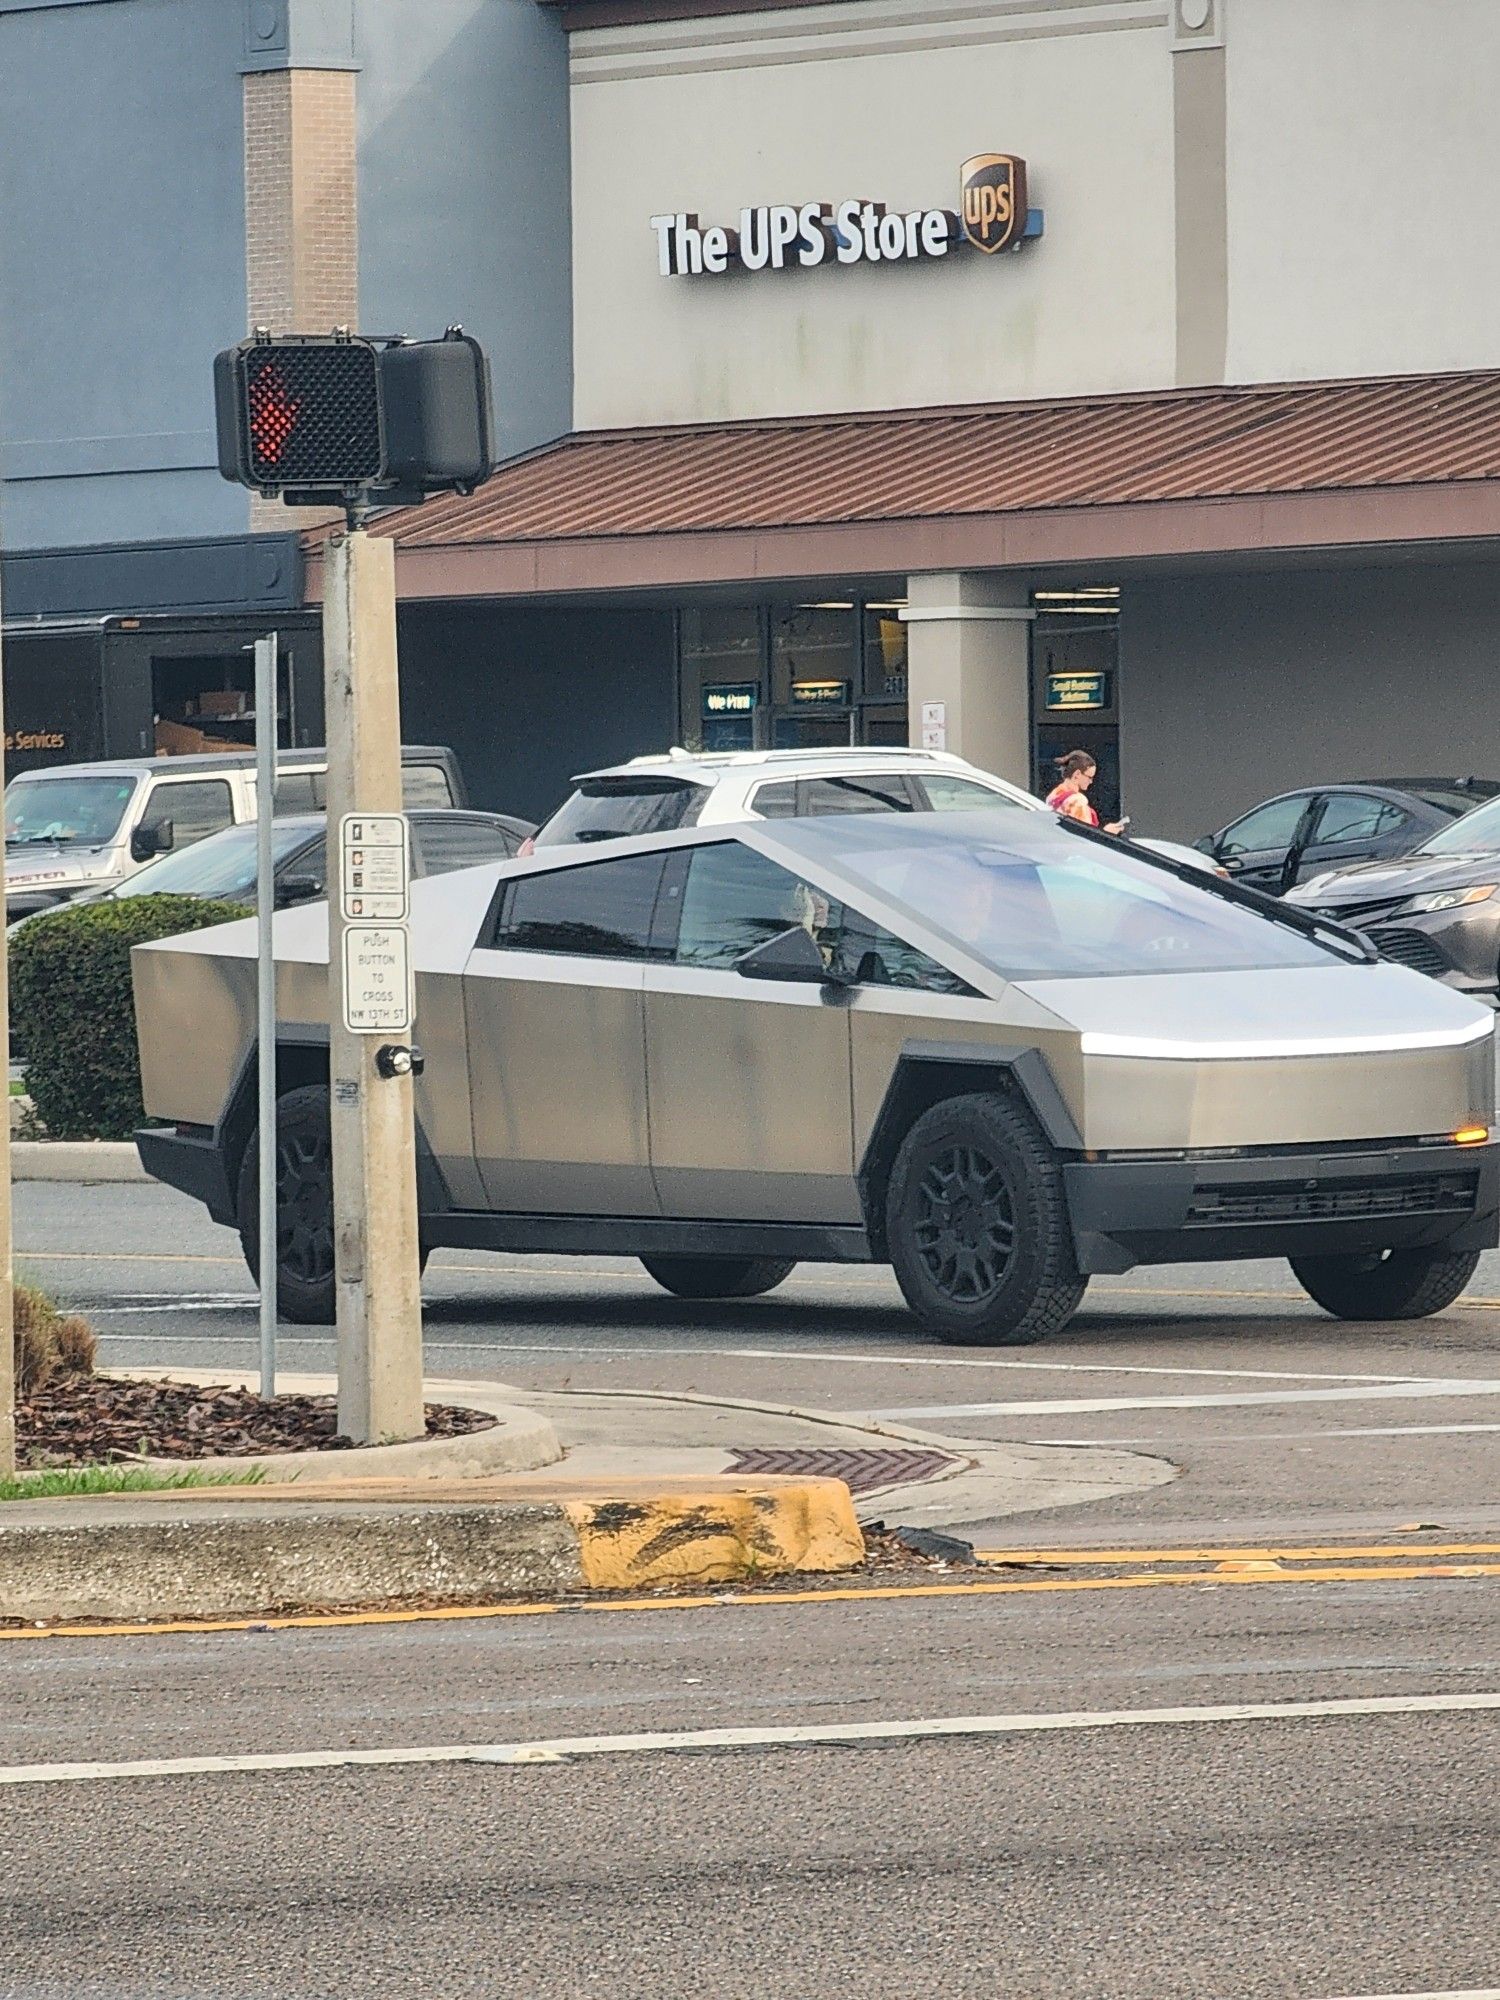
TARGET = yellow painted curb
(717,1534)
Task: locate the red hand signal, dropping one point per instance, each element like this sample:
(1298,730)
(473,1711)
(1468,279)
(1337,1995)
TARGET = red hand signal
(273,413)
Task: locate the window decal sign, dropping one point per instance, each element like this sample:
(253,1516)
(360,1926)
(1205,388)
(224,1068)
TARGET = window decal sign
(993,215)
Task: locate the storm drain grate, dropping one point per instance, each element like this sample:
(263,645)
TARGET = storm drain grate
(861,1471)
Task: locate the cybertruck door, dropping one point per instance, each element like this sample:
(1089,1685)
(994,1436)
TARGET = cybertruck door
(557,1065)
(748,1079)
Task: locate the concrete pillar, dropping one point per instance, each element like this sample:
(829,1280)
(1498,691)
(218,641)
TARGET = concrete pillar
(969,652)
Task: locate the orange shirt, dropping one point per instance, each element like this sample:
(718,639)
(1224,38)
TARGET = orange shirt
(1073,804)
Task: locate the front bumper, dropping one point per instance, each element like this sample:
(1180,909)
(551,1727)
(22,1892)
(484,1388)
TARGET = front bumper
(1345,1201)
(191,1162)
(1460,947)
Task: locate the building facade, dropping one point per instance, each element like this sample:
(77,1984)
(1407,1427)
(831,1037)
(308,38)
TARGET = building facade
(1005,374)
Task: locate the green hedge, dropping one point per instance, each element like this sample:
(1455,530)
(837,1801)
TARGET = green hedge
(74,1013)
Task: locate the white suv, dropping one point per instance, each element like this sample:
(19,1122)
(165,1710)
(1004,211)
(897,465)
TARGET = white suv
(656,794)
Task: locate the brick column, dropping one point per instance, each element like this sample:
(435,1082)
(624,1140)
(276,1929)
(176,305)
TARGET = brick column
(301,217)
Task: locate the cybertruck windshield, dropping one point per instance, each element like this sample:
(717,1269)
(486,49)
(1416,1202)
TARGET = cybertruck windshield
(1033,901)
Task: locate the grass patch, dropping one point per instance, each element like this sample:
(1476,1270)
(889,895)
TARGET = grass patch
(64,1482)
(17,1089)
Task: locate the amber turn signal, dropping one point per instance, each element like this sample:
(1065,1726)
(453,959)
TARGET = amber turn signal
(1471,1135)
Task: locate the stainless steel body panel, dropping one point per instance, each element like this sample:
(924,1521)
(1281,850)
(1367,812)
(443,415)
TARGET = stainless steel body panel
(883,1022)
(557,1081)
(570,1095)
(1194,1060)
(750,1098)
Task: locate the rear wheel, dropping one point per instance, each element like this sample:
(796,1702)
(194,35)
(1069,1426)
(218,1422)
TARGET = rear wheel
(719,1277)
(1389,1284)
(977,1225)
(304,1206)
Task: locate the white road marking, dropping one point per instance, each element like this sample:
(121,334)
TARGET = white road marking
(559,1749)
(1278,1437)
(222,1301)
(1449,1993)
(1402,1391)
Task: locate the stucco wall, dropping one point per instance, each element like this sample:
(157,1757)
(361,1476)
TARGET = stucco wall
(463,191)
(122,266)
(1363,156)
(122,232)
(1233,688)
(883,101)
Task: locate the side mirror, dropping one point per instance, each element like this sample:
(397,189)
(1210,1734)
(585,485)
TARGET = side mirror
(297,889)
(153,838)
(791,956)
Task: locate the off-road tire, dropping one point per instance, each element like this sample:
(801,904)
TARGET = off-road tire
(304,1206)
(977,1225)
(719,1277)
(1397,1284)
(304,1277)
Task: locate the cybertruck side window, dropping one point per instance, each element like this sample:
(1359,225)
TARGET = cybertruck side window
(735,899)
(599,911)
(873,956)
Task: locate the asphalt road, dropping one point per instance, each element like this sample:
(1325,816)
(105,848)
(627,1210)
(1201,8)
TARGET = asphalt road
(1300,1856)
(1281,1417)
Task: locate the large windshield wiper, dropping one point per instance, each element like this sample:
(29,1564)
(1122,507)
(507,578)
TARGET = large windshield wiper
(40,839)
(1349,942)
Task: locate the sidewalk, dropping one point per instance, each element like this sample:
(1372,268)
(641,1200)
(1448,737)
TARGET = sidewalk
(651,1490)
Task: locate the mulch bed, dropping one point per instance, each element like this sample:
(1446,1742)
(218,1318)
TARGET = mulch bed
(97,1419)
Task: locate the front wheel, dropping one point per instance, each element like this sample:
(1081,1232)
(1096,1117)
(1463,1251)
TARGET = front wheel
(1388,1284)
(719,1277)
(977,1225)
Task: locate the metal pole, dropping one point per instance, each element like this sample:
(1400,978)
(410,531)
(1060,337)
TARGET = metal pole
(265,987)
(377,1284)
(7,1273)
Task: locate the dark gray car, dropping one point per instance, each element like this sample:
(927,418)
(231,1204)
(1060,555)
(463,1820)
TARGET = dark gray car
(1437,910)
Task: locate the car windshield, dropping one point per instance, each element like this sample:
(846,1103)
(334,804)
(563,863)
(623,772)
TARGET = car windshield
(610,808)
(1036,902)
(77,811)
(221,866)
(1478,832)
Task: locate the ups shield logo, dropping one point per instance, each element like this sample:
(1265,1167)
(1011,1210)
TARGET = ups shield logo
(994,200)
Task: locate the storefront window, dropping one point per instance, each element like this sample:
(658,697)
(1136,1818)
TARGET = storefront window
(818,675)
(1075,687)
(723,688)
(814,674)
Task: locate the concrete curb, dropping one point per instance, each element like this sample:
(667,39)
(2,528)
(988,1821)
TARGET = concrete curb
(206,1553)
(520,1440)
(75,1160)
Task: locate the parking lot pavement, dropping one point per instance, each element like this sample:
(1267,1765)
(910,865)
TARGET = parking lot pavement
(1278,1414)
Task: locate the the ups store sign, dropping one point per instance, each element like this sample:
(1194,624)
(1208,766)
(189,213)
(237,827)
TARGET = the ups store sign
(993,214)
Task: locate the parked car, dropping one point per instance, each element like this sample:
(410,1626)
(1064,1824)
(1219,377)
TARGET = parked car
(1299,834)
(71,829)
(997,1051)
(1436,909)
(223,866)
(657,794)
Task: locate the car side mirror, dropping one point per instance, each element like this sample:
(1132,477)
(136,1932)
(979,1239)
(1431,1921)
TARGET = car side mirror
(792,956)
(297,889)
(153,838)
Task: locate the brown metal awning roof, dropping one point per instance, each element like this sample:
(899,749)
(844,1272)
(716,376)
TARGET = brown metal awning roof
(1085,479)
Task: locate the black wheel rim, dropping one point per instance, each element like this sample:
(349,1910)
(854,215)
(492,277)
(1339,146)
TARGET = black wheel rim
(965,1225)
(304,1204)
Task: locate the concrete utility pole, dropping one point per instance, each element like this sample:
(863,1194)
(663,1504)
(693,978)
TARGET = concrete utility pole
(7,1269)
(374,1148)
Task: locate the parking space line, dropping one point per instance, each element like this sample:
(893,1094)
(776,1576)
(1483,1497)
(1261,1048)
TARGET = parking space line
(561,1749)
